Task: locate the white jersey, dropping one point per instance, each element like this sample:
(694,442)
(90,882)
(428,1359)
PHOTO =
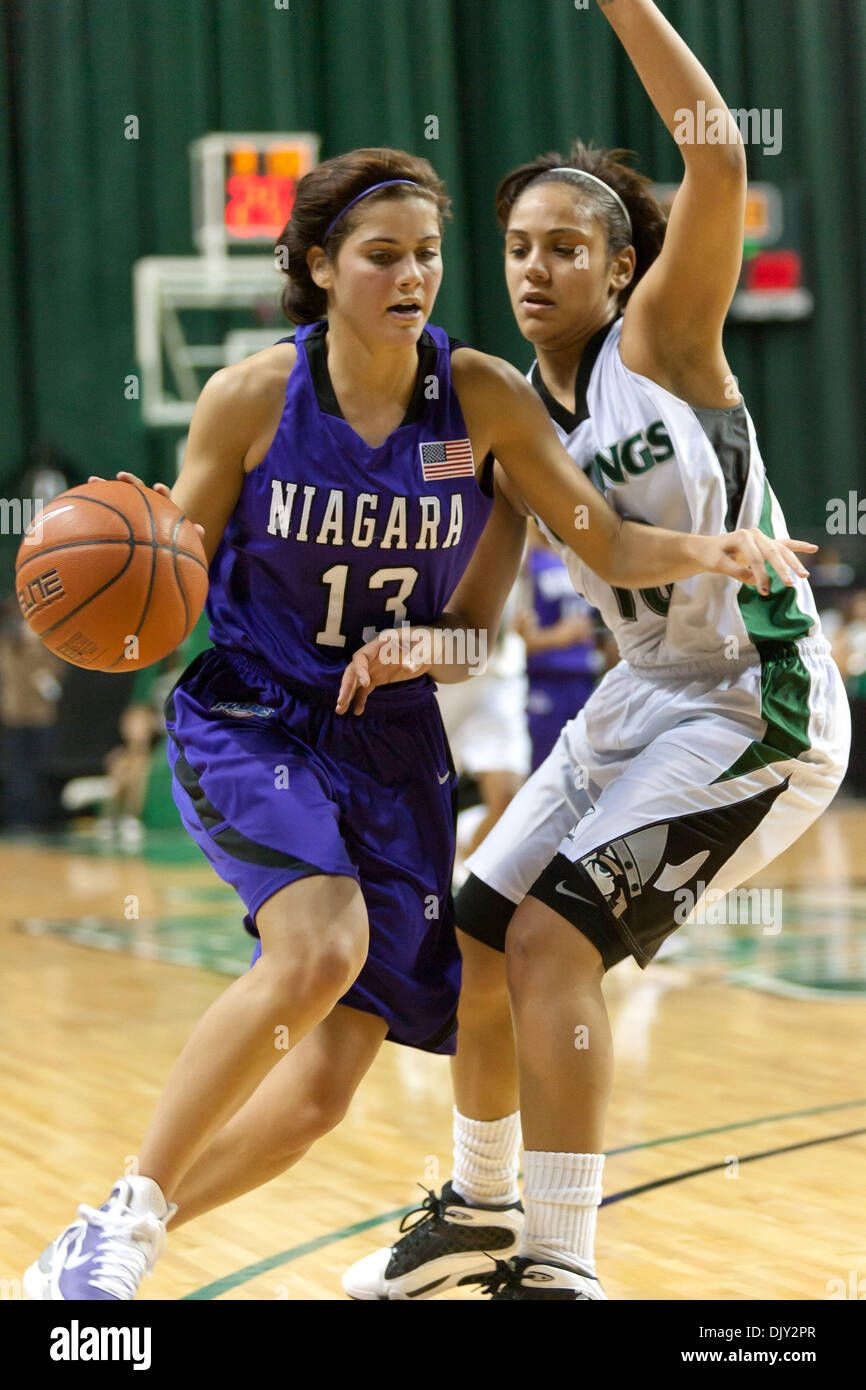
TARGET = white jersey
(666,463)
(718,739)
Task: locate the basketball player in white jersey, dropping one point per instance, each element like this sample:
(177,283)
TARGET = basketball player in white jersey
(716,741)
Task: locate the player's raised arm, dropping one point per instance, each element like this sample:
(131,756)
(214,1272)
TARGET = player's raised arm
(506,411)
(680,305)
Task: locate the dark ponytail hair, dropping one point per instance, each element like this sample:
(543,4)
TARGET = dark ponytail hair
(322,194)
(647,217)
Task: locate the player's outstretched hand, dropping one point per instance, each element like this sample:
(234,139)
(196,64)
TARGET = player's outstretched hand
(379,662)
(162,488)
(749,555)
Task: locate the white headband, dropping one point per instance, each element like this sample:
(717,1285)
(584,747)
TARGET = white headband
(582,174)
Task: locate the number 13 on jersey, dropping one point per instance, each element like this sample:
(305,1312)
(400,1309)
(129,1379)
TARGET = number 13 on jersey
(337,579)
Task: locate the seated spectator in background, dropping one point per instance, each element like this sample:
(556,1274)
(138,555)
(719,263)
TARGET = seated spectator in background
(30,688)
(830,578)
(844,623)
(849,643)
(128,768)
(131,765)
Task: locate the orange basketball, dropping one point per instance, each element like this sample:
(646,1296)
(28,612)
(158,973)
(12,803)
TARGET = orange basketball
(111,576)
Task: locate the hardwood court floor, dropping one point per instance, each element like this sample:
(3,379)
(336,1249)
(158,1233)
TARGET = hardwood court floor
(740,1043)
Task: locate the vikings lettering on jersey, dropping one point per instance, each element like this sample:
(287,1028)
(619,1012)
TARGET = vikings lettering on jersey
(663,462)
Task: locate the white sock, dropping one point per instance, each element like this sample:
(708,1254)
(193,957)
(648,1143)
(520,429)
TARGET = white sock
(486,1159)
(562,1196)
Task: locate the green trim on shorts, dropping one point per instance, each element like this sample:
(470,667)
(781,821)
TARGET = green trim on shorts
(785,690)
(778,617)
(774,623)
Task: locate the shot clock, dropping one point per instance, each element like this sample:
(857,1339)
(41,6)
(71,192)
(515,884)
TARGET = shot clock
(243,187)
(771,287)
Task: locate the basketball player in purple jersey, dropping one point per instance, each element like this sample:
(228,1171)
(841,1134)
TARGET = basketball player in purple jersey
(343,480)
(561,656)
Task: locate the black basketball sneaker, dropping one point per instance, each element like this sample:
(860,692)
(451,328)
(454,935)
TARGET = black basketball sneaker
(522,1277)
(447,1243)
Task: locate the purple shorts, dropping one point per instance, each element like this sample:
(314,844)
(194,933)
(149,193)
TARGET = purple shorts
(274,786)
(553,700)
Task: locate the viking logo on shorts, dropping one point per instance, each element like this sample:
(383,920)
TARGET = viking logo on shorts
(622,869)
(608,875)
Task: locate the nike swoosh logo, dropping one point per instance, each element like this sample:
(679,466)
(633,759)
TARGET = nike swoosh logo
(444,778)
(674,876)
(561,888)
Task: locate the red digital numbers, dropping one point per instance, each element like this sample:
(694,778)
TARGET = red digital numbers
(258,205)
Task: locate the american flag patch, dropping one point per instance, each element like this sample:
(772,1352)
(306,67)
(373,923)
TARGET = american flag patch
(450,458)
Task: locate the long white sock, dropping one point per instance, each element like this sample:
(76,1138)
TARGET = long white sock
(562,1196)
(486,1159)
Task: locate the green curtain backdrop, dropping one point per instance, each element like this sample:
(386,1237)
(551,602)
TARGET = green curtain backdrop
(506,79)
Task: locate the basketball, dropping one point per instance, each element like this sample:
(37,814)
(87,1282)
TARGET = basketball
(111,576)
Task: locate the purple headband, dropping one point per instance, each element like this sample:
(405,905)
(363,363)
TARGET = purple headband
(342,213)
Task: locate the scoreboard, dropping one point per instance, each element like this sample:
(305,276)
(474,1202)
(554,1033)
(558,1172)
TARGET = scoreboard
(243,187)
(771,287)
(193,314)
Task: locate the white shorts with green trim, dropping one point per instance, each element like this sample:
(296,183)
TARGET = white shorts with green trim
(665,793)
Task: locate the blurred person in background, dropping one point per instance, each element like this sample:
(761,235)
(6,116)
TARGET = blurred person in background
(849,643)
(846,627)
(128,767)
(558,630)
(30,688)
(485,720)
(136,767)
(48,473)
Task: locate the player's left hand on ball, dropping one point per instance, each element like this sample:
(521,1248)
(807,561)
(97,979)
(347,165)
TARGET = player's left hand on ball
(373,665)
(750,556)
(162,488)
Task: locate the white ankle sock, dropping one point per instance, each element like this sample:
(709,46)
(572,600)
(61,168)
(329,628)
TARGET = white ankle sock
(486,1159)
(562,1196)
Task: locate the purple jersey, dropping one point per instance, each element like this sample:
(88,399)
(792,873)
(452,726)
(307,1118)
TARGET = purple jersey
(554,598)
(332,540)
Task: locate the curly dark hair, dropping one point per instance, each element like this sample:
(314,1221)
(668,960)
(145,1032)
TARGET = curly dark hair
(321,195)
(647,217)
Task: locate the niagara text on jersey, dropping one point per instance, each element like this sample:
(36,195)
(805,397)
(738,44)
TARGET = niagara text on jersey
(332,539)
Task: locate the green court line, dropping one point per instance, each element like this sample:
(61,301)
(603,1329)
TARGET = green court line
(308,1247)
(741,1124)
(243,1276)
(721,1167)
